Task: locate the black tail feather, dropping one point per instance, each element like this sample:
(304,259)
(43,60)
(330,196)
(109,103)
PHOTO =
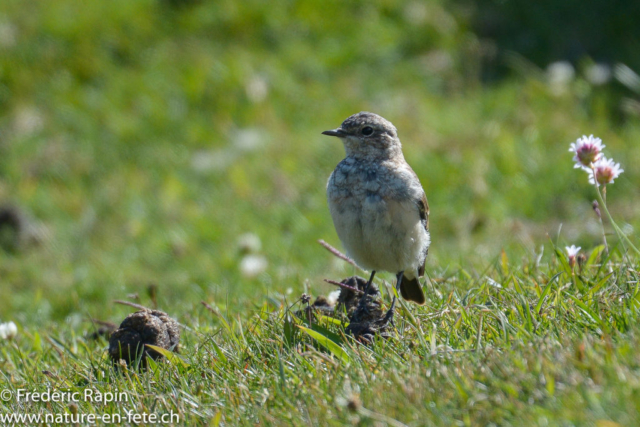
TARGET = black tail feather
(411,290)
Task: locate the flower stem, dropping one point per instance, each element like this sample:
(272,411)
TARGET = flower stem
(619,232)
(596,209)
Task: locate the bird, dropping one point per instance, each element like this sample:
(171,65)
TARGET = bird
(377,203)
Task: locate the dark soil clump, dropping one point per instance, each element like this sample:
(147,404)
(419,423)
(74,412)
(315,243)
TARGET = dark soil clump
(143,327)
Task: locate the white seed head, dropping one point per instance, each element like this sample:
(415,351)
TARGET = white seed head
(253,265)
(8,330)
(249,242)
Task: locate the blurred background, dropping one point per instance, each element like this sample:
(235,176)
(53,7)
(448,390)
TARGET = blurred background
(171,149)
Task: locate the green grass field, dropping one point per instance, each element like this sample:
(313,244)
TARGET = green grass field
(143,141)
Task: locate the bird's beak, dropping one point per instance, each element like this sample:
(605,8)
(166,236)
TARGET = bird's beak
(335,132)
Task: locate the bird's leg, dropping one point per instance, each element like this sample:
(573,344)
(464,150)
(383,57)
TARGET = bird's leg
(363,300)
(389,316)
(399,277)
(366,289)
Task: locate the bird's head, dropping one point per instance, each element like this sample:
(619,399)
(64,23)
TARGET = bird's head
(368,135)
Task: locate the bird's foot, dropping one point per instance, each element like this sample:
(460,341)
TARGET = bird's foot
(388,317)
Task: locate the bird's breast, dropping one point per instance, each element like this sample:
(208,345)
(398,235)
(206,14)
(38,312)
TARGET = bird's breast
(354,189)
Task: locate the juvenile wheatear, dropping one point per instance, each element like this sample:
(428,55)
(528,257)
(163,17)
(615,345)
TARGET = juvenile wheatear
(378,206)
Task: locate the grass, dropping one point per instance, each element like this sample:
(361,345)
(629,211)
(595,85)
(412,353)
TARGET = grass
(142,140)
(514,344)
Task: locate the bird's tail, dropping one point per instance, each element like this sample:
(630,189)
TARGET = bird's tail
(411,290)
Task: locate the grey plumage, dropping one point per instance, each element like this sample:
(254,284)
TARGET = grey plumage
(377,203)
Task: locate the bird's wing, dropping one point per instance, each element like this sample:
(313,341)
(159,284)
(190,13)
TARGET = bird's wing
(423,209)
(421,200)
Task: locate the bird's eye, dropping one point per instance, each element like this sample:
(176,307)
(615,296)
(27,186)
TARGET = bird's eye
(367,130)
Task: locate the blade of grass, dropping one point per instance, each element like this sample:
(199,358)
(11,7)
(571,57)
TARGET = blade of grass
(545,292)
(327,343)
